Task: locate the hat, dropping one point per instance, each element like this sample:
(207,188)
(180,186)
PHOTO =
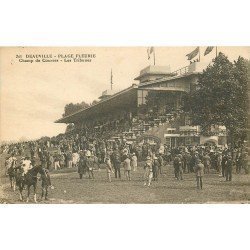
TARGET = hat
(148,158)
(88,153)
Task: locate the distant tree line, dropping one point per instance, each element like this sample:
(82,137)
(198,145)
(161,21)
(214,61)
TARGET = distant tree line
(71,108)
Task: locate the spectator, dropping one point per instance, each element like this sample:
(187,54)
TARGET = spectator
(127,168)
(108,168)
(229,168)
(134,162)
(148,171)
(57,162)
(199,174)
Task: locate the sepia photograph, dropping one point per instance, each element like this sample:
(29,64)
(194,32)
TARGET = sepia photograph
(124,125)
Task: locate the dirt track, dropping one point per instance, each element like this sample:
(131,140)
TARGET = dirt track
(70,189)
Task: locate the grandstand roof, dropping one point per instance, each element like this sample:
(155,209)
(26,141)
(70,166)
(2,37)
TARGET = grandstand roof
(120,99)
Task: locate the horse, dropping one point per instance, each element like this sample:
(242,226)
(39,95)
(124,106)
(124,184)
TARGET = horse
(30,180)
(45,177)
(12,176)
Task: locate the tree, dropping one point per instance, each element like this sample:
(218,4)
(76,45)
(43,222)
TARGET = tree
(94,103)
(241,75)
(221,98)
(72,108)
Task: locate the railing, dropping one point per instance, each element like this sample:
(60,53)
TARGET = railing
(181,71)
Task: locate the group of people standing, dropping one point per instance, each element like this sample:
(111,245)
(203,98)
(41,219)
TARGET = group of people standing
(202,159)
(88,153)
(114,160)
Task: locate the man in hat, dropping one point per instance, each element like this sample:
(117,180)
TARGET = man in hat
(82,166)
(238,162)
(223,163)
(134,162)
(108,168)
(207,163)
(156,166)
(199,173)
(161,163)
(229,168)
(178,167)
(127,168)
(90,164)
(219,163)
(148,171)
(187,161)
(57,161)
(116,160)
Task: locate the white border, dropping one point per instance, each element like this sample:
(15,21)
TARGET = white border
(127,23)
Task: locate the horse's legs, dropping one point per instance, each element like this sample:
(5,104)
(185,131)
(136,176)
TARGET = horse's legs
(20,192)
(14,184)
(35,193)
(11,186)
(46,193)
(28,196)
(42,192)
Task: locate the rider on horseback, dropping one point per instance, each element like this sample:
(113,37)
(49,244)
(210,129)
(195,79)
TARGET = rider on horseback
(26,166)
(10,163)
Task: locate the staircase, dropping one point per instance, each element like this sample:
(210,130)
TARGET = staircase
(154,129)
(158,131)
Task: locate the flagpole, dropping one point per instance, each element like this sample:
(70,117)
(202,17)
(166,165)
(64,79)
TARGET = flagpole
(154,56)
(111,80)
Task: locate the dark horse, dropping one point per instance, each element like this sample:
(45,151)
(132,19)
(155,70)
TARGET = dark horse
(12,176)
(45,177)
(30,180)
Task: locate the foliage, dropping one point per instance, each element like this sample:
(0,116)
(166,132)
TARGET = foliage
(72,108)
(94,103)
(221,97)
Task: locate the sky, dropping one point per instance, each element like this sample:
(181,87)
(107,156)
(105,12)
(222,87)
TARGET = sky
(33,95)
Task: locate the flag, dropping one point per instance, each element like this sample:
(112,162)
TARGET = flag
(208,50)
(150,50)
(193,54)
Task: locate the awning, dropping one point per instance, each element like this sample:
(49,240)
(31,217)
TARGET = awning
(171,135)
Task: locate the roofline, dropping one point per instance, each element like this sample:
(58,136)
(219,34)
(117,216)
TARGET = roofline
(168,79)
(172,89)
(152,73)
(134,86)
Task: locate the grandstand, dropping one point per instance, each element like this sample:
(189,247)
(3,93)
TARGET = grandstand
(148,111)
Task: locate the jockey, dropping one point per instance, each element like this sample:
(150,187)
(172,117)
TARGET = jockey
(10,162)
(26,165)
(6,166)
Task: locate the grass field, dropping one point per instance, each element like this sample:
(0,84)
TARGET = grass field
(70,189)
